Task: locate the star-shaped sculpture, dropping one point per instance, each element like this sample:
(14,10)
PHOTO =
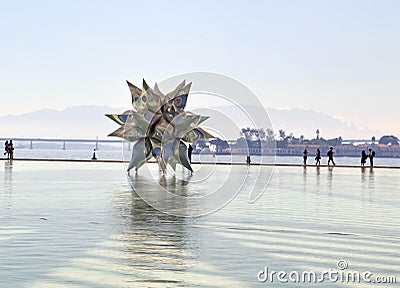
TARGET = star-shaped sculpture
(159,126)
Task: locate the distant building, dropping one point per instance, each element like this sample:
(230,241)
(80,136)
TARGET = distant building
(242,146)
(351,150)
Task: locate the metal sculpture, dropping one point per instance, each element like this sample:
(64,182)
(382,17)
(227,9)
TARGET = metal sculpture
(159,126)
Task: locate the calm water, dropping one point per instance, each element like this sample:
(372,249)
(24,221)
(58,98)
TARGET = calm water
(123,153)
(80,225)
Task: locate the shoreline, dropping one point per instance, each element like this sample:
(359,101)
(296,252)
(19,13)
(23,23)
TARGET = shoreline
(202,163)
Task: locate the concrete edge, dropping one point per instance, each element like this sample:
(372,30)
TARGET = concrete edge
(204,163)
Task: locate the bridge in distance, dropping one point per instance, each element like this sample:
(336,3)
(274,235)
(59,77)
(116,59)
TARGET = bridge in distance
(96,141)
(64,142)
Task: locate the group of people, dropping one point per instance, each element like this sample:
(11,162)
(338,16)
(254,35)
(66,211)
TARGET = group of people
(364,157)
(330,153)
(9,149)
(318,156)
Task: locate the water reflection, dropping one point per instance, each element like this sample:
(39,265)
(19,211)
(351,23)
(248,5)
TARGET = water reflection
(329,178)
(8,167)
(158,191)
(155,246)
(209,189)
(363,186)
(367,184)
(305,179)
(371,179)
(318,179)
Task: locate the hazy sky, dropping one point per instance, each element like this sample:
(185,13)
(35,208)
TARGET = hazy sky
(337,57)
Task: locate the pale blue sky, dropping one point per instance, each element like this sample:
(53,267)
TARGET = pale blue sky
(337,57)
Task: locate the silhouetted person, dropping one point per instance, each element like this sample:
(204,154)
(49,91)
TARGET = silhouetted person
(11,149)
(330,156)
(363,158)
(190,150)
(248,160)
(305,153)
(6,151)
(94,155)
(371,157)
(318,157)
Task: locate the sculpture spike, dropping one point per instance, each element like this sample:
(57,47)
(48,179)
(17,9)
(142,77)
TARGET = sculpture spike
(174,93)
(157,89)
(134,90)
(186,89)
(145,86)
(138,154)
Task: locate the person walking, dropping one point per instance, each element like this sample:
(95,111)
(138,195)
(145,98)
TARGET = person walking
(363,158)
(318,157)
(330,156)
(371,157)
(305,153)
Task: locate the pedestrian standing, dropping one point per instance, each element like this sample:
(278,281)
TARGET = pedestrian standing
(190,150)
(363,158)
(248,160)
(11,149)
(371,157)
(6,151)
(305,153)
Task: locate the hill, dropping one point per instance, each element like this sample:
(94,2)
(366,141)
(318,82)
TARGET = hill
(89,122)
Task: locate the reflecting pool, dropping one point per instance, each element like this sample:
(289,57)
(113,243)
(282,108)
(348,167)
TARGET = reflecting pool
(82,225)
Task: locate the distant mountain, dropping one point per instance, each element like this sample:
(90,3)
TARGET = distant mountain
(306,122)
(90,122)
(74,122)
(296,121)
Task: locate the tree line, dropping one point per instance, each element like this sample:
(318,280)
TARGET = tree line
(283,139)
(250,136)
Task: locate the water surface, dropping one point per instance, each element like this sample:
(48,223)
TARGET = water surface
(81,225)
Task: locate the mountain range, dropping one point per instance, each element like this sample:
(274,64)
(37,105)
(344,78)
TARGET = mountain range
(89,122)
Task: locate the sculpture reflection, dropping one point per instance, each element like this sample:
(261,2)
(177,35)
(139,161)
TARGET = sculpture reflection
(150,239)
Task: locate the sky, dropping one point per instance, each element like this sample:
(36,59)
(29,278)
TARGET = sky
(340,58)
